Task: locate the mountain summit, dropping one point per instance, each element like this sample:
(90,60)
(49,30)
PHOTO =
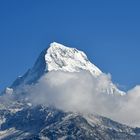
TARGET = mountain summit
(62,58)
(57,57)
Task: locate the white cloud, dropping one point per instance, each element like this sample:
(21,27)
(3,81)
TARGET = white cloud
(129,113)
(80,91)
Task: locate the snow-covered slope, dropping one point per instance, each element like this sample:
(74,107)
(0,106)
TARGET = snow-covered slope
(60,57)
(39,123)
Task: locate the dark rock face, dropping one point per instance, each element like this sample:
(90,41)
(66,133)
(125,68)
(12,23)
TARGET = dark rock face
(33,74)
(35,123)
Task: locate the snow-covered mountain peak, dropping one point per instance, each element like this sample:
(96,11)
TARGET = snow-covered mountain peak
(60,57)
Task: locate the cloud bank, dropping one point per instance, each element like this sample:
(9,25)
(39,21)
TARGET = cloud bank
(86,94)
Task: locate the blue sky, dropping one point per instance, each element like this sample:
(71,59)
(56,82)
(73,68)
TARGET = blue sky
(108,31)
